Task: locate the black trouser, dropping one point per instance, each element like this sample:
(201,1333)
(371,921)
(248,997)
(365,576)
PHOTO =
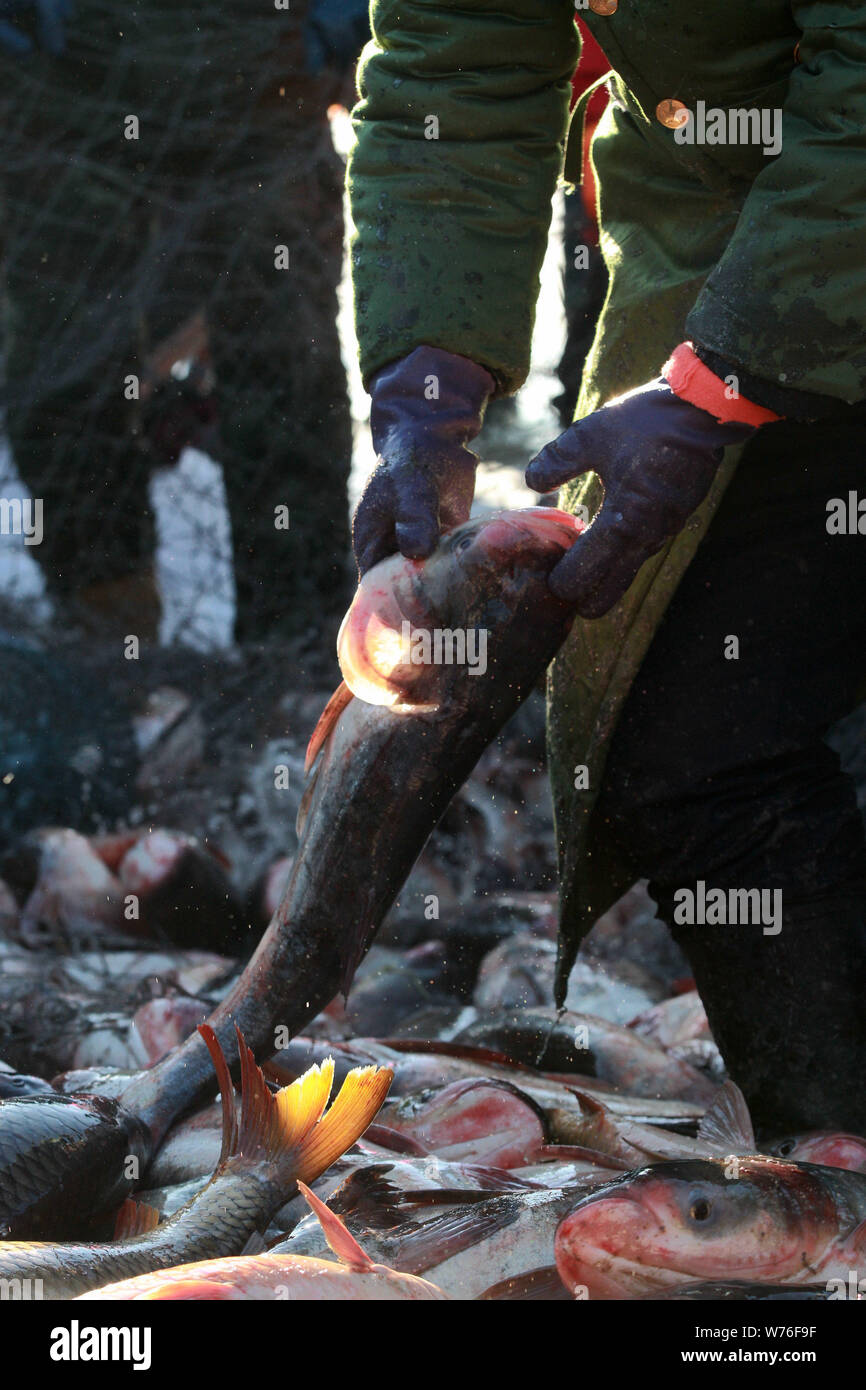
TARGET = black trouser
(584,287)
(719,772)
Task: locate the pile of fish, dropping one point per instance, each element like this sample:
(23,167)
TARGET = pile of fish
(482,1144)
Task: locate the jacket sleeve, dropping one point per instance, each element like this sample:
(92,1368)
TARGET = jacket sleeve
(460,134)
(787,300)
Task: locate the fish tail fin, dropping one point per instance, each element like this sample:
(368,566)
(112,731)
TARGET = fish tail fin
(290,1130)
(359,1100)
(275,1125)
(337,1234)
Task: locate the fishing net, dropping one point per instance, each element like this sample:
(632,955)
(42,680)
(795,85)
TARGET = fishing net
(171,241)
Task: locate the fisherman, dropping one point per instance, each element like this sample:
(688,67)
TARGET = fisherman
(172,241)
(720,630)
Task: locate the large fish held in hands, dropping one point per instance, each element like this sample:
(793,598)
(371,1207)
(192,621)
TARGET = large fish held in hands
(436,655)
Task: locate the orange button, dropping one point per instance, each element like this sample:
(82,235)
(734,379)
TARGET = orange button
(672,113)
(603,6)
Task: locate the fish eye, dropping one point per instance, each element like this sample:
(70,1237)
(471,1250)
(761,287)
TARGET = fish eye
(464,542)
(786,1147)
(701,1209)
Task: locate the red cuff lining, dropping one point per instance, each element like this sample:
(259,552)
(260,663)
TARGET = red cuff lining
(691,380)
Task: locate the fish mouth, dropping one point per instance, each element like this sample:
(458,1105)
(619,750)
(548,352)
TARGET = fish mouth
(374,642)
(829,1150)
(619,1245)
(589,1248)
(395,603)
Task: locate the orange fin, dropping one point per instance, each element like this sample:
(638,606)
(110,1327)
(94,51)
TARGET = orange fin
(218,854)
(290,1130)
(135,1219)
(358,1102)
(226,1089)
(337,1234)
(341,697)
(200,1289)
(271,1124)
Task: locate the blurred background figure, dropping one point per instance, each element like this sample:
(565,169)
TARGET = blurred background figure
(171,233)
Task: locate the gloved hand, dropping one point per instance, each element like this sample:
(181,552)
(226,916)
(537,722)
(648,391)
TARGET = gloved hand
(656,455)
(424,409)
(51,17)
(335,32)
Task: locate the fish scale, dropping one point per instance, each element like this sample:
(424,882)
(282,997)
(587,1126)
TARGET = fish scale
(217,1222)
(381,783)
(43,1185)
(276,1141)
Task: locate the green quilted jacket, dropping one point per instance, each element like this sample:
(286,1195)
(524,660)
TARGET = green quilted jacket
(462,134)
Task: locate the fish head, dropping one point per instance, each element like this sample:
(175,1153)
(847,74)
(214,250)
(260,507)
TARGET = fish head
(417,628)
(14,1084)
(681,1222)
(492,550)
(473,1120)
(825,1147)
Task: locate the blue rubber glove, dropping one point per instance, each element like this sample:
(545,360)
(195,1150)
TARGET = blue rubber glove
(425,478)
(51,17)
(656,455)
(335,32)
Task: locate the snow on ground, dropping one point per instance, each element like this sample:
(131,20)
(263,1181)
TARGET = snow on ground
(194,554)
(193,558)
